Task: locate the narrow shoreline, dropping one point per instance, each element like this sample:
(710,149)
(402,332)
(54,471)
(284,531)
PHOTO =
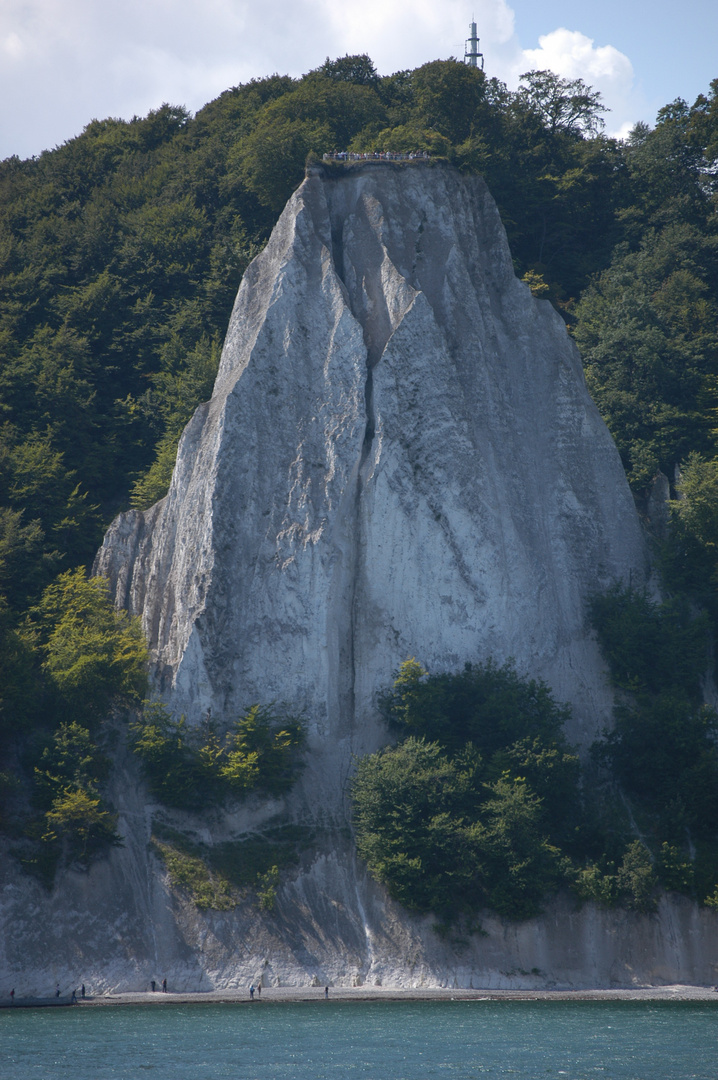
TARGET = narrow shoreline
(290,994)
(677,992)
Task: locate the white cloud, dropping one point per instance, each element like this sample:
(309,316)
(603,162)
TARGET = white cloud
(623,131)
(495,21)
(403,33)
(573,55)
(12,46)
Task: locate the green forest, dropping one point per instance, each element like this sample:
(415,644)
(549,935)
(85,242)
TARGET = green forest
(121,252)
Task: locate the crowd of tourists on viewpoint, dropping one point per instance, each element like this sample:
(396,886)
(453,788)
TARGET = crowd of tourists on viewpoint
(377,155)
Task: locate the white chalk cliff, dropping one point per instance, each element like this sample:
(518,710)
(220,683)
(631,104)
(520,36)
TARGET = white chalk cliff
(400,458)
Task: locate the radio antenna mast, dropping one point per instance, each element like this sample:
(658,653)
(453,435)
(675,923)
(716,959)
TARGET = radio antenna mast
(471,49)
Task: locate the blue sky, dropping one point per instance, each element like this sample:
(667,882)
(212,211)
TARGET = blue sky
(673,47)
(65,62)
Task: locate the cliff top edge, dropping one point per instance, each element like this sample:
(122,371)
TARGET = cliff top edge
(335,170)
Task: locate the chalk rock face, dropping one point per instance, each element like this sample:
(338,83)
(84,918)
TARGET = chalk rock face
(400,458)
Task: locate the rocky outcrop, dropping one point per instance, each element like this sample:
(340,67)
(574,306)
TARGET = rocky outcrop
(400,458)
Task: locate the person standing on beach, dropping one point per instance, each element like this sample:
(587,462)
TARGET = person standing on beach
(251,992)
(164,986)
(326,991)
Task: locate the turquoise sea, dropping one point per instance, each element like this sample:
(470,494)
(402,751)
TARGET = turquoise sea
(357,1040)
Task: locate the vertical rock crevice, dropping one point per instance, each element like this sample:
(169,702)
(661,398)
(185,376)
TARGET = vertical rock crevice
(377,295)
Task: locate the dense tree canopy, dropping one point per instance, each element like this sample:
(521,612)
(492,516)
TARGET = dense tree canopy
(662,747)
(444,840)
(72,663)
(196,768)
(491,813)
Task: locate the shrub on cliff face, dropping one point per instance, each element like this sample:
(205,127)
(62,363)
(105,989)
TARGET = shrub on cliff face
(477,816)
(487,705)
(78,820)
(193,767)
(170,763)
(514,723)
(73,822)
(414,815)
(690,556)
(650,647)
(219,876)
(633,883)
(483,804)
(262,751)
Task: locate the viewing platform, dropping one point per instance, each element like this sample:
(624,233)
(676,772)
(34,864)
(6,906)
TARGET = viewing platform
(375,155)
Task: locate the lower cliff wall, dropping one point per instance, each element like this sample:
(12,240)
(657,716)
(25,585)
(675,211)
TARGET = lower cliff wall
(120,924)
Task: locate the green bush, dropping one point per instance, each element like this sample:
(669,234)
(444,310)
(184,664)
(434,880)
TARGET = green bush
(193,768)
(593,883)
(475,817)
(191,873)
(77,663)
(689,556)
(93,655)
(444,840)
(489,706)
(635,878)
(267,893)
(675,869)
(170,762)
(523,865)
(71,760)
(514,724)
(662,751)
(650,647)
(414,816)
(494,813)
(76,822)
(218,876)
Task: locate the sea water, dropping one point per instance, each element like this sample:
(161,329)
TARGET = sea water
(389,1040)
